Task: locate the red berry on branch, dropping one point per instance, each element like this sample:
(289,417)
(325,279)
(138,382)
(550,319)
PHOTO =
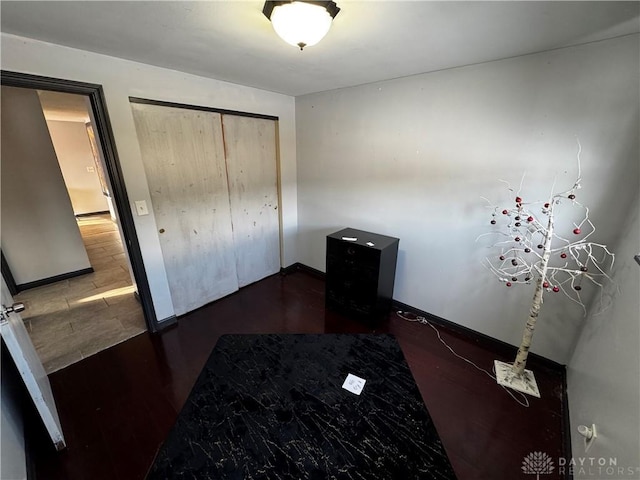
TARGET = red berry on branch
(545,284)
(518,200)
(508,284)
(546,205)
(501,257)
(517,239)
(530,219)
(577,231)
(504,212)
(556,289)
(563,255)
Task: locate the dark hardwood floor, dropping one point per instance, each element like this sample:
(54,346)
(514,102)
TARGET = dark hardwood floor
(116,407)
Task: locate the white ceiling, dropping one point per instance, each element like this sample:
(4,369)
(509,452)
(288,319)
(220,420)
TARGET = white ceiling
(369,41)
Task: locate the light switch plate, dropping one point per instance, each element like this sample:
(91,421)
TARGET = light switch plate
(141,208)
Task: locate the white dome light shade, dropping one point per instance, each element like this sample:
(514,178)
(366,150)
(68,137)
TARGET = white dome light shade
(300,23)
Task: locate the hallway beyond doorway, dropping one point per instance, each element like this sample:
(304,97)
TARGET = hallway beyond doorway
(75,318)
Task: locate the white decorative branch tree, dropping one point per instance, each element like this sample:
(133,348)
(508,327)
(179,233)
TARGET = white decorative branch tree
(532,252)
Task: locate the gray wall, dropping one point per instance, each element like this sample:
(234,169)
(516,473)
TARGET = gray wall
(604,373)
(40,236)
(12,452)
(12,461)
(411,158)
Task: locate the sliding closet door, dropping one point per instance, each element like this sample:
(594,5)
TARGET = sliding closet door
(183,156)
(250,146)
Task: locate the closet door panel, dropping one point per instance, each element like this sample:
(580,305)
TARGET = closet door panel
(250,148)
(183,156)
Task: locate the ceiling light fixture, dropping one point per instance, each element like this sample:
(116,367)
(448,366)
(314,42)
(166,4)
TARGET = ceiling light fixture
(301,23)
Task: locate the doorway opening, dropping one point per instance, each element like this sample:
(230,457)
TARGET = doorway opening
(85,310)
(73,318)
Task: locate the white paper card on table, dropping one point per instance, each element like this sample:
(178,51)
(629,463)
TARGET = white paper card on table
(350,239)
(371,244)
(354,384)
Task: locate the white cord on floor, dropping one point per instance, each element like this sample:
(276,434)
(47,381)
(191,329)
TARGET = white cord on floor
(416,318)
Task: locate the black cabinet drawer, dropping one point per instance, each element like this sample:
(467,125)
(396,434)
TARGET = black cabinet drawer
(353,252)
(360,272)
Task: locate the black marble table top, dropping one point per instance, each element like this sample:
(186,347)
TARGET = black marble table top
(274,407)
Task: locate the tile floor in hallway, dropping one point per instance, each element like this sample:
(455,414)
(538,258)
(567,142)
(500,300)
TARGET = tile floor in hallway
(75,318)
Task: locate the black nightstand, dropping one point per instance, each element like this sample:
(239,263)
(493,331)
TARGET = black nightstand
(360,273)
